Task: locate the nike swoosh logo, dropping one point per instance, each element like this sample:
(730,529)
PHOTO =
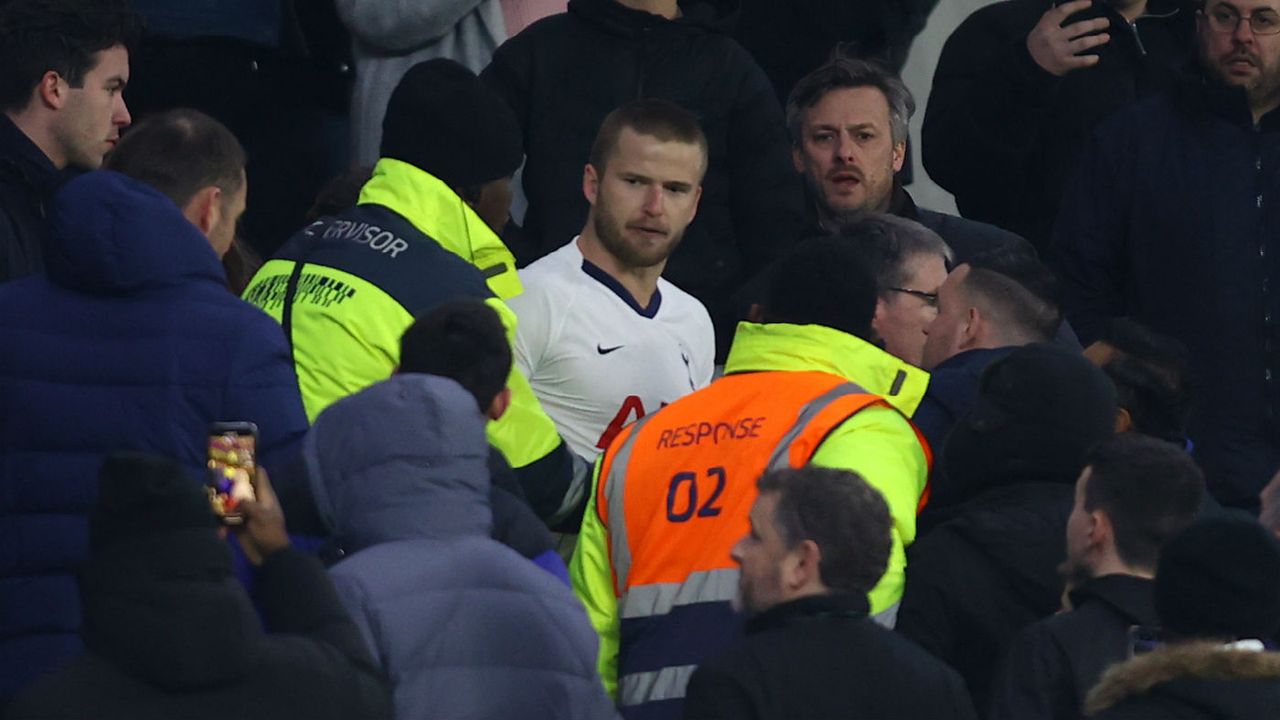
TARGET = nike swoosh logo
(605,351)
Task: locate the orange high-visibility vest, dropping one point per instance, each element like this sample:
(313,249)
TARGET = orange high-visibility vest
(675,491)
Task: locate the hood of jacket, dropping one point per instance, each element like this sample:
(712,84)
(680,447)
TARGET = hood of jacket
(782,346)
(112,234)
(1216,680)
(436,210)
(167,609)
(613,17)
(1020,529)
(404,459)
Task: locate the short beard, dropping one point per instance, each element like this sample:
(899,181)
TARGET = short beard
(609,233)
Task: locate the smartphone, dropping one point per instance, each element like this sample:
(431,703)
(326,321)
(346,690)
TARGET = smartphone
(233,447)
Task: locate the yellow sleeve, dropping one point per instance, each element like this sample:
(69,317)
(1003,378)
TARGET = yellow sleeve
(591,574)
(524,433)
(879,444)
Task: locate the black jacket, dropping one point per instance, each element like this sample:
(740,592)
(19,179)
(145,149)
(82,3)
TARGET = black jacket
(977,579)
(1172,221)
(791,39)
(1002,134)
(822,657)
(27,182)
(170,633)
(1199,681)
(1055,662)
(563,74)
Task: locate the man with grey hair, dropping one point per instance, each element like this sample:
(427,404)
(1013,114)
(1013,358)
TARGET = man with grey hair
(848,123)
(910,263)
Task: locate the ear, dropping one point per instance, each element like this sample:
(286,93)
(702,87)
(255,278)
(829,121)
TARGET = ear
(804,571)
(1101,533)
(797,159)
(974,324)
(1124,421)
(590,183)
(878,320)
(500,403)
(204,209)
(899,155)
(52,90)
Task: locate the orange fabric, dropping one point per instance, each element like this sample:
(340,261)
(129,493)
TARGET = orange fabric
(692,475)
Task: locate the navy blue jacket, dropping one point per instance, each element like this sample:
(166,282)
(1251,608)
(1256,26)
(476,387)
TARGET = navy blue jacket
(132,341)
(1173,221)
(27,180)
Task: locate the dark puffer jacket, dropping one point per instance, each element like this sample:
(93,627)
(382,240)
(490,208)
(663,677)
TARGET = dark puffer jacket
(565,73)
(132,341)
(172,634)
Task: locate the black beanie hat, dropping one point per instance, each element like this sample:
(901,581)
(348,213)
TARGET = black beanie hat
(141,495)
(1039,411)
(1220,579)
(442,119)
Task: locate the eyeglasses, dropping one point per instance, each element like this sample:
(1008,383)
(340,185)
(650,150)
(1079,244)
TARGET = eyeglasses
(1225,19)
(930,299)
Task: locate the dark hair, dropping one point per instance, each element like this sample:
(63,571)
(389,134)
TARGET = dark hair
(241,263)
(341,192)
(179,152)
(844,516)
(844,72)
(824,281)
(37,36)
(1150,489)
(464,341)
(1018,289)
(888,243)
(1151,375)
(661,119)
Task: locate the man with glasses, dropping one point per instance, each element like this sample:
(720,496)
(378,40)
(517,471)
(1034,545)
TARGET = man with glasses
(1172,222)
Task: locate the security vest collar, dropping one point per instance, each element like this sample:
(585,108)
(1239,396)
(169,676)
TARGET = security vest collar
(437,211)
(782,346)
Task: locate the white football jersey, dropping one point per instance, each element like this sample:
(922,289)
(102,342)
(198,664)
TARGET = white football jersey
(597,360)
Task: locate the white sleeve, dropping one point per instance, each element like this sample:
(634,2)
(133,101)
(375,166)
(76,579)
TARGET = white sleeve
(705,360)
(533,328)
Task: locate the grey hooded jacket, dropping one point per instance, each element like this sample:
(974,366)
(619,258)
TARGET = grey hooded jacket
(463,626)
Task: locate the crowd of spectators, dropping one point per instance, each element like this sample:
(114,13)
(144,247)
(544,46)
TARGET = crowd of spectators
(615,372)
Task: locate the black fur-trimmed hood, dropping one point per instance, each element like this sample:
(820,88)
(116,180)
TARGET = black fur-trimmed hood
(1202,674)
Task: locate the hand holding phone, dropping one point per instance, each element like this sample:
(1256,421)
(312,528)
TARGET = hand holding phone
(263,531)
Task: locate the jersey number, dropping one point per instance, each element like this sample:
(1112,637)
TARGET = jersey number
(683,492)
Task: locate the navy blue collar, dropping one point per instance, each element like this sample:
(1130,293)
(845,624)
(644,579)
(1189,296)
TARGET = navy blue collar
(22,156)
(610,282)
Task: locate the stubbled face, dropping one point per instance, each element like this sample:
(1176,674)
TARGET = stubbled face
(644,197)
(1243,57)
(847,154)
(762,554)
(946,334)
(88,125)
(223,233)
(1078,528)
(901,318)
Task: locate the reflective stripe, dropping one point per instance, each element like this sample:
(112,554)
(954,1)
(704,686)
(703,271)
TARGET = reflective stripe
(781,457)
(669,683)
(888,617)
(660,598)
(615,489)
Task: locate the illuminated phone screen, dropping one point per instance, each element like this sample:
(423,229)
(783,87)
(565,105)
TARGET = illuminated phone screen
(231,467)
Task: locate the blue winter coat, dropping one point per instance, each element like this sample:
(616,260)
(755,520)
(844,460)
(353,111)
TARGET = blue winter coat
(1173,221)
(132,341)
(463,626)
